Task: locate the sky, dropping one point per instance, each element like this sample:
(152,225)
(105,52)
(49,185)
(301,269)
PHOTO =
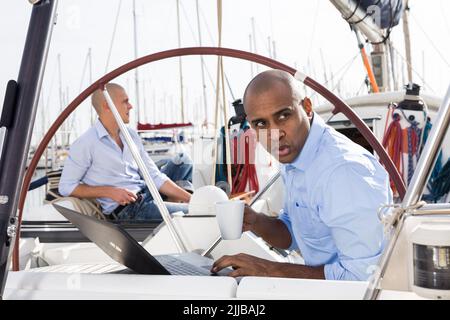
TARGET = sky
(308,35)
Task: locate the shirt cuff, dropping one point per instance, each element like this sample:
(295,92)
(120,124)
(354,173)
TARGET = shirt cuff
(66,189)
(159,180)
(336,271)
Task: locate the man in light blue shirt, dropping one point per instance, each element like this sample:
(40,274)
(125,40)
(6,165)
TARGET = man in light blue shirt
(100,165)
(334,188)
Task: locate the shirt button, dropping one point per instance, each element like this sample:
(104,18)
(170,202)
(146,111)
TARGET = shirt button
(296,204)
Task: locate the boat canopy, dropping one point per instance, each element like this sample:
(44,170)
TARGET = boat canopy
(390,11)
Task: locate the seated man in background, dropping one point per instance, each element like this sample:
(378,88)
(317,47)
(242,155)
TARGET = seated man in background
(100,165)
(334,188)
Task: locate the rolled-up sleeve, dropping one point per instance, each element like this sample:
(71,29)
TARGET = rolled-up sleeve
(157,176)
(352,197)
(75,167)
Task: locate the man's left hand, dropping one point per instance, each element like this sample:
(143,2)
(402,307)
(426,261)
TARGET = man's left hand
(246,265)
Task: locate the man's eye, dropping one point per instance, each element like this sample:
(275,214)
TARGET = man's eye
(260,124)
(284,116)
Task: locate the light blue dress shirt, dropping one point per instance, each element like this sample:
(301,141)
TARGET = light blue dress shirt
(95,159)
(334,189)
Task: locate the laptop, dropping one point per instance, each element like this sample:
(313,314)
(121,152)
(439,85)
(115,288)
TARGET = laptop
(123,248)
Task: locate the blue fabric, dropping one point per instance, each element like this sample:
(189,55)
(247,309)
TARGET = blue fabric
(334,189)
(95,159)
(146,209)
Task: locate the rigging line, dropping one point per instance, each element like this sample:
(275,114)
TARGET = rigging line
(270,19)
(342,68)
(86,61)
(338,72)
(314,28)
(52,81)
(343,74)
(211,37)
(204,63)
(414,70)
(163,37)
(363,85)
(444,17)
(431,41)
(113,35)
(196,41)
(194,37)
(260,33)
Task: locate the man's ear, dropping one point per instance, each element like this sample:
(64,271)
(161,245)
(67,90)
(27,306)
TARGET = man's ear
(105,107)
(307,106)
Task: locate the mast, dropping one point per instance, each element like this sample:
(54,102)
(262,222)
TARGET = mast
(90,81)
(366,26)
(274,51)
(180,65)
(61,102)
(407,40)
(136,71)
(250,45)
(19,114)
(205,104)
(254,41)
(269,47)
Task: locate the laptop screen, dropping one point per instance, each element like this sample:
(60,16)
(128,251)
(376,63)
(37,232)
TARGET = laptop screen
(115,242)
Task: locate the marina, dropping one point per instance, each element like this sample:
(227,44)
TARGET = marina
(402,124)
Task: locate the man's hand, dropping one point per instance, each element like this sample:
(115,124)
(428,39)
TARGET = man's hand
(246,265)
(121,196)
(250,216)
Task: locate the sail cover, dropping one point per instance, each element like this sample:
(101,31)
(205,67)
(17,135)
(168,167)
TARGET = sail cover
(386,13)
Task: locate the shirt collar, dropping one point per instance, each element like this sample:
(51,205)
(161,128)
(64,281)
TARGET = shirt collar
(312,143)
(101,131)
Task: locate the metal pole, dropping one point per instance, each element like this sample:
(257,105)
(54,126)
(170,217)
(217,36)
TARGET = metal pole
(407,40)
(148,180)
(254,41)
(202,64)
(180,64)
(417,185)
(136,71)
(13,162)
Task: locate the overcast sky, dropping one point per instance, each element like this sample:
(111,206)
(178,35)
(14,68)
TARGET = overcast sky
(309,35)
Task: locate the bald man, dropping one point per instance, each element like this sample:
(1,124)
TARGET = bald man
(333,186)
(100,165)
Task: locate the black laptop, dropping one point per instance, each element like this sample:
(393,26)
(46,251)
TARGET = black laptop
(124,249)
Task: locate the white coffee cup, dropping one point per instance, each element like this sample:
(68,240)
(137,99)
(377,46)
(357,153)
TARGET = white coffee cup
(230,216)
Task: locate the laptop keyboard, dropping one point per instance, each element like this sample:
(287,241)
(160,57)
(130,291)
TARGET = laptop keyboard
(179,267)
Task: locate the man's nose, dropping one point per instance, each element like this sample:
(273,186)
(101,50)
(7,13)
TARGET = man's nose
(130,106)
(276,134)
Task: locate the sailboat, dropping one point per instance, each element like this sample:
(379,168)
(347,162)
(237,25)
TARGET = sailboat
(58,269)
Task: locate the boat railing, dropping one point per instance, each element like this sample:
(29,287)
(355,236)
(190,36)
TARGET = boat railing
(415,190)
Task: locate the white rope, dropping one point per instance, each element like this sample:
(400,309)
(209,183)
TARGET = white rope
(390,218)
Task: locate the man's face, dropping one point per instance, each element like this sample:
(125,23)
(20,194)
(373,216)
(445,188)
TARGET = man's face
(280,122)
(120,99)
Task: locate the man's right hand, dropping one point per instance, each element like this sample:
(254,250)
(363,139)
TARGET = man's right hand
(250,216)
(121,196)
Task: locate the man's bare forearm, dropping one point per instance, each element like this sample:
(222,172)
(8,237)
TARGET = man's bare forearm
(272,230)
(171,189)
(85,191)
(291,270)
